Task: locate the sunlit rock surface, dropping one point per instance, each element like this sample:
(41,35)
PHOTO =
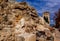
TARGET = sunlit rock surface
(20,22)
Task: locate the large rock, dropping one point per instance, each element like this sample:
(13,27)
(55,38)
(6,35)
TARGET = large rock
(26,37)
(20,18)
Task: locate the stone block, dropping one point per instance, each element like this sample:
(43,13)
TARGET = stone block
(26,37)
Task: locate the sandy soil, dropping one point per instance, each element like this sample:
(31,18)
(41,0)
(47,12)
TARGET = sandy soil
(57,36)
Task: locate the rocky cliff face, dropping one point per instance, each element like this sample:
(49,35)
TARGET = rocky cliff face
(20,22)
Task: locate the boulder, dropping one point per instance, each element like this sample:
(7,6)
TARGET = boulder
(26,37)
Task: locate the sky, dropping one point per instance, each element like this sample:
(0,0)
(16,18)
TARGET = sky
(45,5)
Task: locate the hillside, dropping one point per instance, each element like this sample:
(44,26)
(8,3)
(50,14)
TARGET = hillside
(20,22)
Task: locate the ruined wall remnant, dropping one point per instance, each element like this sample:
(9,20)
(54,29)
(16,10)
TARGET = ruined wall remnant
(46,16)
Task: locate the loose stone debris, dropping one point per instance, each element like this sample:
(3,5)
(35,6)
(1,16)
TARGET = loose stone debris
(20,22)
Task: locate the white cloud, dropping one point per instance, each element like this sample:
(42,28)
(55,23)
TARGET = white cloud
(52,22)
(57,1)
(52,3)
(49,4)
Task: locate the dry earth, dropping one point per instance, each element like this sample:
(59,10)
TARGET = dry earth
(57,37)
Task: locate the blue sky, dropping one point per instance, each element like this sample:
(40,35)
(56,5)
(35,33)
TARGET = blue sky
(45,5)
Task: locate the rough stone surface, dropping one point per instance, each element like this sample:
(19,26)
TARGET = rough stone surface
(20,18)
(26,37)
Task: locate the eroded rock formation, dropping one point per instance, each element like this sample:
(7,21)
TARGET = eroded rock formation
(20,22)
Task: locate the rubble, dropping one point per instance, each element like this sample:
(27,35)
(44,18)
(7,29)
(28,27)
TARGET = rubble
(16,19)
